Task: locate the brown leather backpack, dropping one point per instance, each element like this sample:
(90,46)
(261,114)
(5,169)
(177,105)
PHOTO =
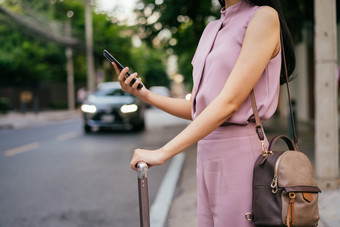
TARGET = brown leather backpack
(284,190)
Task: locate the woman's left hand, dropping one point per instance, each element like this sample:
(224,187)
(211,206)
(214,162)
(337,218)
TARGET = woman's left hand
(151,157)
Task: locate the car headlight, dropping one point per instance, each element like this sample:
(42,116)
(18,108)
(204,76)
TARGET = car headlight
(129,108)
(88,108)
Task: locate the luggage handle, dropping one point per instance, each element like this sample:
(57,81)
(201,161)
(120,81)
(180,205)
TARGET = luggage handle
(288,142)
(143,194)
(142,169)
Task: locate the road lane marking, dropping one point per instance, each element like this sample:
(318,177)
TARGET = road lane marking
(21,149)
(67,136)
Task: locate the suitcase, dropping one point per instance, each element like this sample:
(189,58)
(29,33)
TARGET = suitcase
(143,194)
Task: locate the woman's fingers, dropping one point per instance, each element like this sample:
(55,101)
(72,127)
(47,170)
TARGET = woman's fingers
(122,73)
(121,78)
(133,166)
(150,157)
(137,82)
(129,79)
(116,68)
(135,160)
(130,83)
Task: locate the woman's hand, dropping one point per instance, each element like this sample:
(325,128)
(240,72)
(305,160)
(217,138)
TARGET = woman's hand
(151,157)
(125,82)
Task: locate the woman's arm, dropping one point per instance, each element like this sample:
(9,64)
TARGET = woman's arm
(177,107)
(261,43)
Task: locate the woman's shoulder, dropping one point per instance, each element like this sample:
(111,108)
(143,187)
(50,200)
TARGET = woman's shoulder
(266,13)
(265,17)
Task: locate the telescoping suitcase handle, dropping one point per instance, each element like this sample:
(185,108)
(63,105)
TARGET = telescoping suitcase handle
(143,194)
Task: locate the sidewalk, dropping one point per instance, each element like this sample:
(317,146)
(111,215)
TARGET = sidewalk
(183,210)
(16,120)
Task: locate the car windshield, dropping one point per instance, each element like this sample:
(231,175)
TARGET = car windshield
(110,92)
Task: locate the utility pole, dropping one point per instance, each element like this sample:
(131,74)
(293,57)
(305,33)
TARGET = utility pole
(69,65)
(89,47)
(326,110)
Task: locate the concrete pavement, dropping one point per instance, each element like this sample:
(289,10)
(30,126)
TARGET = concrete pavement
(183,211)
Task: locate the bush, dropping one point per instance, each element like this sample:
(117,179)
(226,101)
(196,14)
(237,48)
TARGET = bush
(58,105)
(4,105)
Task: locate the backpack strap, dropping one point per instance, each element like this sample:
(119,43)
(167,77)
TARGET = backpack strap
(259,127)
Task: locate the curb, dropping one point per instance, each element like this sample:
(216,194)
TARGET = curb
(161,206)
(322,223)
(6,126)
(16,120)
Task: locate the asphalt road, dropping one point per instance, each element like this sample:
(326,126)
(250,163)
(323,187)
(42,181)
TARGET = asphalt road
(55,175)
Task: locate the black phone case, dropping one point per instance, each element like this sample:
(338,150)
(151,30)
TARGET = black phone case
(120,66)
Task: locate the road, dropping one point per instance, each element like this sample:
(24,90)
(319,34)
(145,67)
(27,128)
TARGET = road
(55,175)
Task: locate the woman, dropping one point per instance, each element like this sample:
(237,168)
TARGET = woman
(237,53)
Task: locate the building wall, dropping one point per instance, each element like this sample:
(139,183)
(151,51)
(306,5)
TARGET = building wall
(300,84)
(49,95)
(302,87)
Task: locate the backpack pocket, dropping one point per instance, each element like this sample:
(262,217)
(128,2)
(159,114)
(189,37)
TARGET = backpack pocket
(300,206)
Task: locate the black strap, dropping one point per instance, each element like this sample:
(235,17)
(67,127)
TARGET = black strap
(288,142)
(288,91)
(259,128)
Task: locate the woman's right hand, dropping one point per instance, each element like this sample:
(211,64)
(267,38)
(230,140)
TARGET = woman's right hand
(125,82)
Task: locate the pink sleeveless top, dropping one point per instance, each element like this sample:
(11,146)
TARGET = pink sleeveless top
(215,57)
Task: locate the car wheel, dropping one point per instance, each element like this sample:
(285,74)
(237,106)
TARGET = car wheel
(87,129)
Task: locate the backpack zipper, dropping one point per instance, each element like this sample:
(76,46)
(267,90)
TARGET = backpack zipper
(274,184)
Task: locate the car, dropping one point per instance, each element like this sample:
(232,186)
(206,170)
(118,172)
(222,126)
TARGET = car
(111,108)
(160,90)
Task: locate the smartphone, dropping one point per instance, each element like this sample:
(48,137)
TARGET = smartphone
(120,67)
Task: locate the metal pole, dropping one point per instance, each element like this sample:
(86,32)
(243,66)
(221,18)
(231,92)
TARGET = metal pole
(143,194)
(70,71)
(326,110)
(89,47)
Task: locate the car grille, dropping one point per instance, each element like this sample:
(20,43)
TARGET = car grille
(114,111)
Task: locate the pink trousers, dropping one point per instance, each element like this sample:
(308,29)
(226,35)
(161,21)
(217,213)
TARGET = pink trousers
(225,162)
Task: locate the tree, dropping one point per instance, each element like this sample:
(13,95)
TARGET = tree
(176,25)
(25,61)
(29,57)
(149,62)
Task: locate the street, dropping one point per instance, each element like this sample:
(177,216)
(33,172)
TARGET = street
(55,175)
